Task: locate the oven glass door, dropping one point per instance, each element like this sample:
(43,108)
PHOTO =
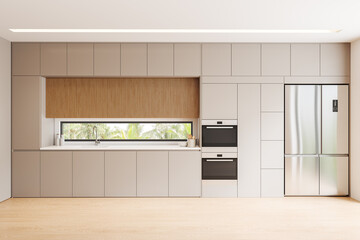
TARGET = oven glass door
(219,168)
(219,136)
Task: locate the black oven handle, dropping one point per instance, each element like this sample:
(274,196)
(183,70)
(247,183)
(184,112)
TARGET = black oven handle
(227,127)
(220,160)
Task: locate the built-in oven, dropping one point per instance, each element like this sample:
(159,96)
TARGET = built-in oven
(219,166)
(219,136)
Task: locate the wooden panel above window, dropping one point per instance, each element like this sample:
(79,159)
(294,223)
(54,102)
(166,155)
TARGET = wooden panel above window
(122,97)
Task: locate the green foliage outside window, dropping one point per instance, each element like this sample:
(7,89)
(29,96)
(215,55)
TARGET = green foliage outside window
(126,131)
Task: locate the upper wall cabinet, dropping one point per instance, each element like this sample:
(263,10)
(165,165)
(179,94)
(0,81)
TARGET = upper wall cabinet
(61,98)
(53,59)
(219,101)
(107,59)
(160,59)
(26,112)
(216,59)
(187,59)
(91,98)
(246,59)
(305,59)
(335,59)
(80,59)
(275,59)
(134,59)
(25,59)
(122,97)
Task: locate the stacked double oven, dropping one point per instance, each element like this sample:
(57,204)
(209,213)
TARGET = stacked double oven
(219,158)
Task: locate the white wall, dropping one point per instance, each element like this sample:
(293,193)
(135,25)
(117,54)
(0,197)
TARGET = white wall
(5,120)
(355,121)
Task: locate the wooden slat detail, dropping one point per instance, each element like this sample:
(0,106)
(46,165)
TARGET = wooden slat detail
(91,97)
(60,98)
(124,98)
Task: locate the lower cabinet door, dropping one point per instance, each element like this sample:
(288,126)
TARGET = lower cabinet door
(88,174)
(272,183)
(56,174)
(185,174)
(26,174)
(334,176)
(120,174)
(152,174)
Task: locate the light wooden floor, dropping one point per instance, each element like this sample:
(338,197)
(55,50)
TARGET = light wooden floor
(170,218)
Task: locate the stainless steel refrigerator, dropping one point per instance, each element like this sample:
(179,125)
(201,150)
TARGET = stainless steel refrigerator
(316,140)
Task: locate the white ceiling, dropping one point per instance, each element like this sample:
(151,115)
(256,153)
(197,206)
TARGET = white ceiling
(181,14)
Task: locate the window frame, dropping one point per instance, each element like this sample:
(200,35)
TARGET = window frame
(126,140)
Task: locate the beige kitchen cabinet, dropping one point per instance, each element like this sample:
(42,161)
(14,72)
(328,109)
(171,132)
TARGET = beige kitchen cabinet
(80,59)
(246,59)
(249,140)
(275,60)
(120,174)
(305,59)
(25,59)
(25,175)
(272,183)
(187,59)
(272,126)
(26,112)
(335,59)
(272,97)
(56,174)
(272,154)
(88,174)
(219,101)
(185,174)
(53,59)
(216,59)
(152,174)
(106,59)
(160,59)
(133,59)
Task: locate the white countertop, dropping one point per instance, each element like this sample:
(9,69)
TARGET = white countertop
(134,147)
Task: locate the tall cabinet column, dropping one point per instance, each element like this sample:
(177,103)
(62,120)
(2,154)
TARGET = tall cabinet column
(249,140)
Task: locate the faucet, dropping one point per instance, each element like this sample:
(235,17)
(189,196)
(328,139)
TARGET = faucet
(95,131)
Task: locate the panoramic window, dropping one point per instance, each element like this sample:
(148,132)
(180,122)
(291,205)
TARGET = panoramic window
(126,131)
